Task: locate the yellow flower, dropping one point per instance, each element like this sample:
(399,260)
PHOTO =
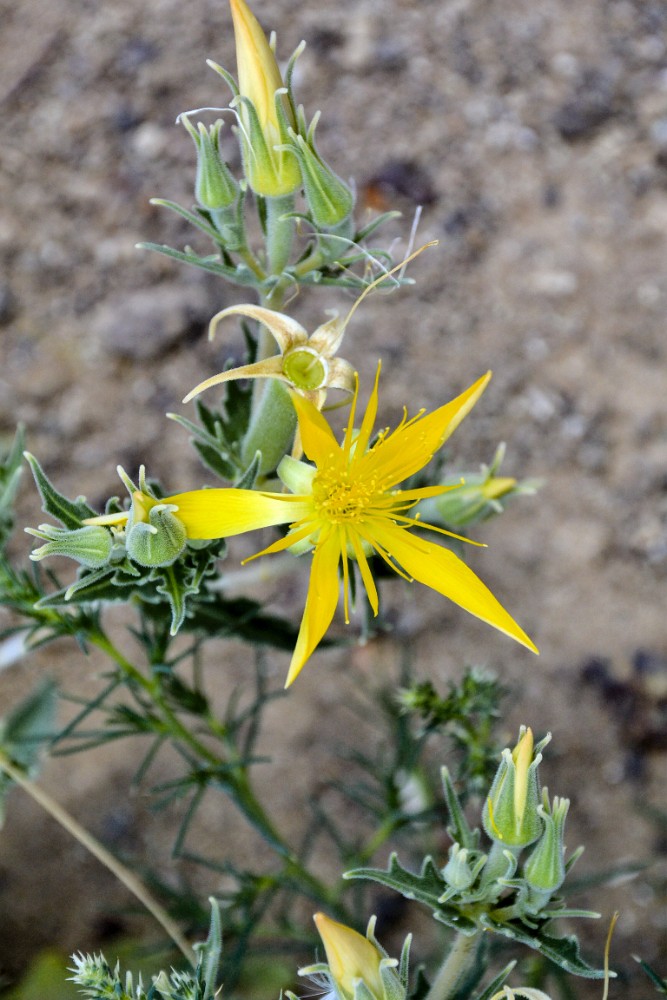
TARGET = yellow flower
(346,505)
(307,364)
(351,957)
(265,112)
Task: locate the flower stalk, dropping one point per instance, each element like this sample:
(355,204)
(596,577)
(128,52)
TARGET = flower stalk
(455,967)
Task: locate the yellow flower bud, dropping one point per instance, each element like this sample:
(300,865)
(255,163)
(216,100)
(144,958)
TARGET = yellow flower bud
(511,811)
(351,957)
(265,115)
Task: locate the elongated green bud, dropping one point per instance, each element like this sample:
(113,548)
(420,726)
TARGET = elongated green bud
(510,814)
(329,199)
(90,546)
(215,186)
(545,868)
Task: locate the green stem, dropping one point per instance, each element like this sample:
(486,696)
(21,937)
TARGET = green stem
(272,426)
(236,781)
(128,878)
(279,233)
(454,968)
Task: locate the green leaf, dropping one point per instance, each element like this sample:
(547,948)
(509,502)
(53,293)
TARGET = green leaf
(29,725)
(91,586)
(427,887)
(243,619)
(192,218)
(218,437)
(70,513)
(212,263)
(11,467)
(247,479)
(659,983)
(459,831)
(564,951)
(210,951)
(496,984)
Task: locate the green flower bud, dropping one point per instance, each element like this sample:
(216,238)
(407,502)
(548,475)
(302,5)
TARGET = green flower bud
(157,541)
(462,868)
(90,546)
(476,496)
(511,811)
(329,199)
(545,868)
(215,187)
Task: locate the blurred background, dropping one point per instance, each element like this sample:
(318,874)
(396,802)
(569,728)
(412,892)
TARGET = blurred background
(534,136)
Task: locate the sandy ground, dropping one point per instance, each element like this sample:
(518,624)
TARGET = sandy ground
(535,136)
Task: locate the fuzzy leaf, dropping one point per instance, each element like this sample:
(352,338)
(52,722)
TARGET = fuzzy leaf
(242,618)
(496,984)
(564,951)
(11,467)
(70,513)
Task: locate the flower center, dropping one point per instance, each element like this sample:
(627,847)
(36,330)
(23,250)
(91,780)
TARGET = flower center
(338,499)
(305,368)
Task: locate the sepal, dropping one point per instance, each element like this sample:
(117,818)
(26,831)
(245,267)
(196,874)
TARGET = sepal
(330,201)
(216,189)
(158,541)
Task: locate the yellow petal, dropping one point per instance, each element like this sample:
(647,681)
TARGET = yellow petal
(219,513)
(365,570)
(412,446)
(440,569)
(350,957)
(108,520)
(259,76)
(368,421)
(317,438)
(320,604)
(287,332)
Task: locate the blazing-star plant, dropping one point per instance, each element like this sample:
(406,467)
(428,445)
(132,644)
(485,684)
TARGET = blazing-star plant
(350,512)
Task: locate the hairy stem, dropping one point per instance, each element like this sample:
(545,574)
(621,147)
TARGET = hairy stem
(454,968)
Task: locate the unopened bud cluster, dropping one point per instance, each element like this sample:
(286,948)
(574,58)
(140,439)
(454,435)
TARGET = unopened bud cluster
(277,144)
(517,816)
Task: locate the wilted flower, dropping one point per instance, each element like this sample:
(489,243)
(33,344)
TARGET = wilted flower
(307,364)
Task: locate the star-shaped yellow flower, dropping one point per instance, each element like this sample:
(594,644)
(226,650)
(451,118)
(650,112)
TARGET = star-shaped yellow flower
(346,505)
